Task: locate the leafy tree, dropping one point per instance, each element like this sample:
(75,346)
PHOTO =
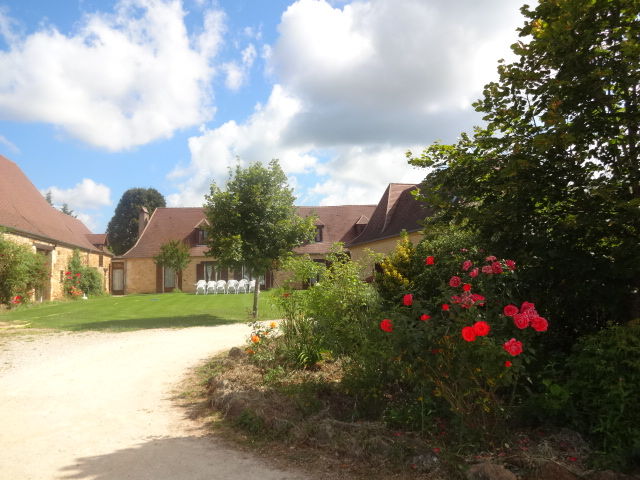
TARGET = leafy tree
(48,198)
(253,221)
(123,226)
(21,272)
(81,279)
(553,179)
(175,255)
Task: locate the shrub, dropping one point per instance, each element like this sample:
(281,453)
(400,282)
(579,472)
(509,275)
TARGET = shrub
(459,333)
(80,279)
(603,379)
(21,272)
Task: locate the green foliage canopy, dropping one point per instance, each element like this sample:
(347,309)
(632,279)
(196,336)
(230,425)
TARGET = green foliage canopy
(123,226)
(175,255)
(21,271)
(554,178)
(253,221)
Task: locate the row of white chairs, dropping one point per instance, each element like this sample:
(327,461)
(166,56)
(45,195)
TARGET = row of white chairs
(222,286)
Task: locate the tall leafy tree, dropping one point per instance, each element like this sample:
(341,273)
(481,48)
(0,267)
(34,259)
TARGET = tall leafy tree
(253,221)
(175,255)
(553,178)
(123,226)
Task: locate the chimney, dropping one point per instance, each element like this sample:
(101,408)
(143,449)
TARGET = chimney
(143,219)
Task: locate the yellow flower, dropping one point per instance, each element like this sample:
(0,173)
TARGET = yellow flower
(273,325)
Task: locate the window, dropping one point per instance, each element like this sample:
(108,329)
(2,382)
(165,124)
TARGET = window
(169,278)
(202,237)
(318,234)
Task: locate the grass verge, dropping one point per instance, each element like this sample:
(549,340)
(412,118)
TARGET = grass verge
(136,312)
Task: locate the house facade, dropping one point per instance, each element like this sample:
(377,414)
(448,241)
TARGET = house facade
(397,211)
(359,227)
(27,219)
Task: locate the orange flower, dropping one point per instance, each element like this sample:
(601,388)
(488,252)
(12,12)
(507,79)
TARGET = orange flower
(255,338)
(273,325)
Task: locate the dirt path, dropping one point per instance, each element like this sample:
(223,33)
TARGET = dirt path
(99,406)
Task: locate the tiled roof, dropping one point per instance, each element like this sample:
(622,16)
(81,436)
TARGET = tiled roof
(338,225)
(97,238)
(397,210)
(168,224)
(23,208)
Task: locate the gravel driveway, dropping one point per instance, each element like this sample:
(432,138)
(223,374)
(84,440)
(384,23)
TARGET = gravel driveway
(99,406)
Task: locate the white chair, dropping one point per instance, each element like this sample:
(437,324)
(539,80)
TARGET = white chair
(211,286)
(201,287)
(252,286)
(221,286)
(232,285)
(243,285)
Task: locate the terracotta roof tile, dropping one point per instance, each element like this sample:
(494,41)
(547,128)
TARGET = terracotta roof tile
(397,210)
(338,225)
(23,208)
(168,224)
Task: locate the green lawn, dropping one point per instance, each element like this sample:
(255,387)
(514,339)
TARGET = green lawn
(134,312)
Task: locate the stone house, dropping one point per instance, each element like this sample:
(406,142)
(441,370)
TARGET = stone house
(359,227)
(27,218)
(397,211)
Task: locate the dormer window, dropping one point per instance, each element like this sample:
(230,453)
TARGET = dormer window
(318,238)
(201,236)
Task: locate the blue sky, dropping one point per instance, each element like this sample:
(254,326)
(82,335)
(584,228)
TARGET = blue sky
(98,96)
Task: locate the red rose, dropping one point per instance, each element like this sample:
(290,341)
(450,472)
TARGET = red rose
(386,325)
(496,267)
(507,363)
(455,281)
(521,320)
(510,310)
(511,265)
(474,273)
(539,324)
(526,306)
(479,299)
(67,273)
(407,299)
(445,307)
(77,274)
(481,328)
(487,269)
(513,347)
(468,334)
(429,260)
(466,287)
(424,317)
(466,265)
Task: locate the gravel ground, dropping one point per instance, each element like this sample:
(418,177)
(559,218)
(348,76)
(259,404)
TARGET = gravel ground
(100,406)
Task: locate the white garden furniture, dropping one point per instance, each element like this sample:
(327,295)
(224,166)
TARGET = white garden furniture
(221,286)
(232,285)
(211,286)
(201,287)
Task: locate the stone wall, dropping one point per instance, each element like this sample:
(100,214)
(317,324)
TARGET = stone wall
(140,275)
(58,257)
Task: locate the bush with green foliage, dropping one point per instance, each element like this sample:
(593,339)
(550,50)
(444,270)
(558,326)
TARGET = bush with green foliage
(80,279)
(456,336)
(21,272)
(603,382)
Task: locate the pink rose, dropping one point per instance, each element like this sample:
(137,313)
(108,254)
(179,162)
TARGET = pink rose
(455,281)
(513,347)
(511,265)
(521,320)
(466,265)
(510,310)
(487,269)
(474,273)
(539,324)
(491,258)
(496,267)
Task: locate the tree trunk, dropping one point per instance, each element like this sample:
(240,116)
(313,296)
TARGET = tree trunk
(256,292)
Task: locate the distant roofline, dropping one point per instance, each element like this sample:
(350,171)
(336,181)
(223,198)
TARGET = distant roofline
(376,239)
(37,236)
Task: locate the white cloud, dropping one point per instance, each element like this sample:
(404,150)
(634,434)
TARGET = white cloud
(86,195)
(389,69)
(236,74)
(358,85)
(120,80)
